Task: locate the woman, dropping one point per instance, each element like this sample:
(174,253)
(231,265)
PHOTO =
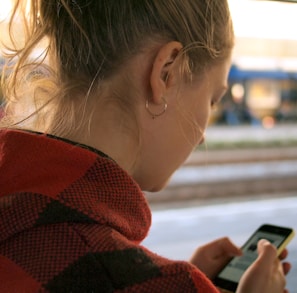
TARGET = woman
(117,101)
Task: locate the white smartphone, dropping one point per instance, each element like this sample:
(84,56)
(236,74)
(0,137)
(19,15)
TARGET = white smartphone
(228,278)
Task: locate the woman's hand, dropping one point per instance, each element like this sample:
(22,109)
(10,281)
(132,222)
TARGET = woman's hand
(267,273)
(212,257)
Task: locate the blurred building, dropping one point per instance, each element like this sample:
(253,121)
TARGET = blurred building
(263,76)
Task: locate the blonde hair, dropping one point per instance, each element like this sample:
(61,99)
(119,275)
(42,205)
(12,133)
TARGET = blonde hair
(87,41)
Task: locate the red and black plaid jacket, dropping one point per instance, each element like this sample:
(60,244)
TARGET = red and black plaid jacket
(72,221)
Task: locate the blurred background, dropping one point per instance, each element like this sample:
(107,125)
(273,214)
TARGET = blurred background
(263,86)
(246,172)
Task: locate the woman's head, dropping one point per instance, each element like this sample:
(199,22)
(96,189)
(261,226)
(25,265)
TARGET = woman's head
(89,40)
(103,55)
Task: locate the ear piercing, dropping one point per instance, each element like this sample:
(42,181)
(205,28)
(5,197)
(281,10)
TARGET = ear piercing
(154,115)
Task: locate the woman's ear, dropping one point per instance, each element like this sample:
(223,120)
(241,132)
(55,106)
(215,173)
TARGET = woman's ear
(163,65)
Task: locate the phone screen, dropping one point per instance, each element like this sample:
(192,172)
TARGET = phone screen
(229,277)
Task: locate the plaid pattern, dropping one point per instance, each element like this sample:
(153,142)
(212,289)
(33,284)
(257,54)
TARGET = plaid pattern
(72,221)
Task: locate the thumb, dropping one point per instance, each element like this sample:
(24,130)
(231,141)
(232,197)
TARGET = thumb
(266,251)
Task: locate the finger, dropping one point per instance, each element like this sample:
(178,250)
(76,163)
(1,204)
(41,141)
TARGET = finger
(267,251)
(286,267)
(229,248)
(283,254)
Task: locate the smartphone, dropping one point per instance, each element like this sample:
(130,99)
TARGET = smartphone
(228,278)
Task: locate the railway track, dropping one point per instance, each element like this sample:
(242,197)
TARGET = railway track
(232,173)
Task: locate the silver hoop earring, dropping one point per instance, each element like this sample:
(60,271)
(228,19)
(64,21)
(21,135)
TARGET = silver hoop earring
(154,115)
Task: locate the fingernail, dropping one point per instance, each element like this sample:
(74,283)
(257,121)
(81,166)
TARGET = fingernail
(264,242)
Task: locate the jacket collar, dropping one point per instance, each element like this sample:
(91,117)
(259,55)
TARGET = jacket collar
(45,180)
